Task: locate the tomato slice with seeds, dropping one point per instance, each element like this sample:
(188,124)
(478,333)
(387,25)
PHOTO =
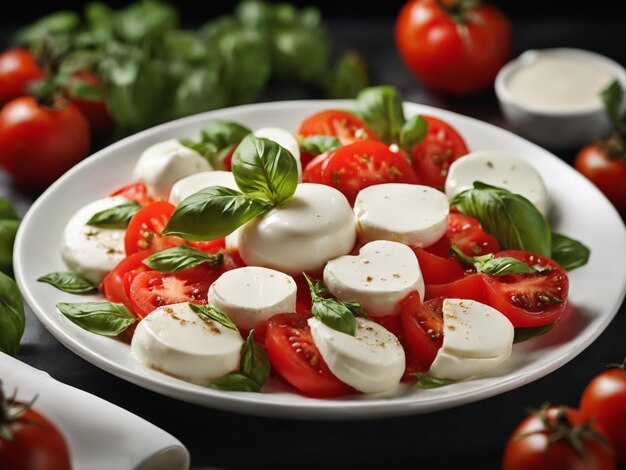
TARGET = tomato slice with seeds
(295,357)
(313,170)
(136,192)
(471,287)
(342,124)
(467,233)
(438,269)
(422,323)
(144,229)
(114,283)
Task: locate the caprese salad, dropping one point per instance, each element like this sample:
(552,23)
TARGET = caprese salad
(366,250)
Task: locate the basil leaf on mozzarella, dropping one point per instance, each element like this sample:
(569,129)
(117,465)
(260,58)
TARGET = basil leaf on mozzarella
(212,213)
(568,253)
(255,363)
(489,264)
(102,318)
(413,132)
(70,282)
(12,319)
(334,313)
(115,217)
(427,381)
(512,219)
(178,258)
(214,314)
(265,170)
(316,144)
(207,149)
(381,108)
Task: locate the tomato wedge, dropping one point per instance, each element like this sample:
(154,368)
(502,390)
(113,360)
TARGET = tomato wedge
(342,124)
(136,192)
(423,327)
(471,287)
(114,285)
(144,229)
(438,269)
(466,233)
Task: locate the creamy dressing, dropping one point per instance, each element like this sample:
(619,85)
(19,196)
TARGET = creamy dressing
(560,83)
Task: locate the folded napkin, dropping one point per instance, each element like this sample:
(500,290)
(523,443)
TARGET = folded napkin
(100,435)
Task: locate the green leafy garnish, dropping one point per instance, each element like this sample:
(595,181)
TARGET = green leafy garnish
(381,108)
(12,318)
(213,314)
(116,217)
(71,282)
(102,318)
(489,264)
(182,257)
(217,139)
(524,334)
(568,253)
(412,132)
(316,144)
(428,381)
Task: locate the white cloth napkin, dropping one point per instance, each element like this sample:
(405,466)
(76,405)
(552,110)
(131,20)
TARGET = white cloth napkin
(99,434)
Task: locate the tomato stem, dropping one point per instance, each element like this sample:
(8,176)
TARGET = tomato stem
(458,9)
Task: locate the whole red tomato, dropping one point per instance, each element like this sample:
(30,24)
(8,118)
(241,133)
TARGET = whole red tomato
(606,170)
(558,438)
(17,68)
(453,46)
(38,144)
(93,107)
(604,400)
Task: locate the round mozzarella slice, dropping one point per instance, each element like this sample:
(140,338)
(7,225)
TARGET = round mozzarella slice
(499,169)
(162,164)
(407,213)
(251,295)
(93,251)
(178,341)
(378,278)
(285,139)
(476,339)
(371,361)
(315,226)
(185,187)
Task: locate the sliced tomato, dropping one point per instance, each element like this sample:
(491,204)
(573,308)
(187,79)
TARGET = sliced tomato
(365,163)
(422,323)
(467,233)
(136,191)
(144,229)
(114,283)
(295,357)
(438,269)
(342,124)
(432,156)
(471,287)
(529,300)
(152,289)
(313,170)
(213,246)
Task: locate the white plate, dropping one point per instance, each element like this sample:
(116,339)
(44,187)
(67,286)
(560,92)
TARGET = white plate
(578,210)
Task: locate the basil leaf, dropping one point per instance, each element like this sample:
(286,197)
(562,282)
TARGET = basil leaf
(212,213)
(489,264)
(61,22)
(102,318)
(263,169)
(223,133)
(347,77)
(84,91)
(7,211)
(356,309)
(427,381)
(568,253)
(413,132)
(213,314)
(524,334)
(255,363)
(612,96)
(206,149)
(70,282)
(334,314)
(236,382)
(12,319)
(318,288)
(316,144)
(115,217)
(512,219)
(381,108)
(8,230)
(178,258)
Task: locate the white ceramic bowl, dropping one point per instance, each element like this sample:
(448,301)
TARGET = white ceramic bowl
(555,129)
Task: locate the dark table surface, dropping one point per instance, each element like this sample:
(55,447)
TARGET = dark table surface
(471,436)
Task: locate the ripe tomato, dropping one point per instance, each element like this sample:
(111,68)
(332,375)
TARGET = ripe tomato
(144,229)
(39,144)
(453,46)
(471,287)
(365,163)
(438,269)
(607,173)
(342,124)
(115,285)
(152,289)
(433,156)
(422,323)
(313,170)
(36,443)
(295,357)
(545,439)
(95,110)
(604,401)
(136,192)
(467,233)
(529,300)
(17,68)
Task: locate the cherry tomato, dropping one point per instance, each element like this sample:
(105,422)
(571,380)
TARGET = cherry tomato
(438,269)
(604,401)
(136,192)
(152,289)
(422,323)
(39,144)
(95,110)
(453,46)
(313,170)
(342,124)
(295,357)
(529,300)
(365,163)
(467,233)
(17,68)
(433,156)
(471,287)
(144,229)
(607,173)
(116,283)
(544,441)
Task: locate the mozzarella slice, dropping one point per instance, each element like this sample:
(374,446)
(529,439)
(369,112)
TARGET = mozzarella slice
(162,164)
(476,339)
(378,278)
(371,361)
(176,340)
(185,187)
(251,295)
(285,139)
(315,226)
(499,169)
(93,251)
(407,213)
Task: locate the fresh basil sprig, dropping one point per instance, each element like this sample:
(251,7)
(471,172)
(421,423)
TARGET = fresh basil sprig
(254,369)
(512,219)
(182,257)
(217,139)
(568,253)
(71,282)
(428,381)
(337,314)
(12,318)
(489,264)
(116,217)
(316,144)
(102,318)
(213,314)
